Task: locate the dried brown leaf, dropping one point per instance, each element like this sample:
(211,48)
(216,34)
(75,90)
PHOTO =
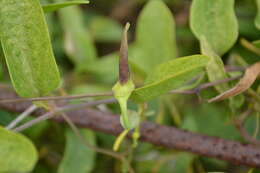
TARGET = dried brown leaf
(245,82)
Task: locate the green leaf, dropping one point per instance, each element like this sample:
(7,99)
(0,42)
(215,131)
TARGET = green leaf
(256,43)
(104,29)
(79,45)
(155,37)
(170,75)
(183,162)
(211,120)
(89,88)
(107,70)
(133,120)
(27,48)
(215,68)
(216,71)
(257,18)
(17,152)
(215,20)
(78,157)
(55,6)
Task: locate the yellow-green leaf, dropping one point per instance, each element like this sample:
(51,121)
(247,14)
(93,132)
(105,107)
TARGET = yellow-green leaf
(155,36)
(216,71)
(55,6)
(215,68)
(79,45)
(256,43)
(257,18)
(25,40)
(17,152)
(170,75)
(78,157)
(216,20)
(104,29)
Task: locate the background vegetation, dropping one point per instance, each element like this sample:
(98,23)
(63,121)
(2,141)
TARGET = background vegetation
(86,40)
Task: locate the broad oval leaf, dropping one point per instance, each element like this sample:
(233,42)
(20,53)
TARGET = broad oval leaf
(55,6)
(257,18)
(107,70)
(27,48)
(77,155)
(79,45)
(17,152)
(155,36)
(170,75)
(216,20)
(104,29)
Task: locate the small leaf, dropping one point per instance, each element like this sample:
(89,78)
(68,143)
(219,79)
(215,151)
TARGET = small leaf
(55,6)
(257,18)
(216,20)
(104,29)
(133,119)
(79,45)
(77,155)
(170,75)
(215,68)
(107,69)
(17,152)
(197,120)
(27,48)
(256,43)
(155,36)
(183,162)
(247,80)
(216,71)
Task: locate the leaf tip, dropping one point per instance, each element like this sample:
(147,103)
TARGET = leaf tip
(127,26)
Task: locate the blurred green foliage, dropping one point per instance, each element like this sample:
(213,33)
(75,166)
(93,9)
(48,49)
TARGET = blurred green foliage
(86,41)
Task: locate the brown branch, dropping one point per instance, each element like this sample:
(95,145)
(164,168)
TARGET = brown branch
(165,136)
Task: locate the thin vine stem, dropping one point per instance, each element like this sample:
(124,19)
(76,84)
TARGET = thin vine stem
(51,114)
(116,155)
(21,117)
(240,126)
(249,46)
(56,97)
(204,86)
(85,142)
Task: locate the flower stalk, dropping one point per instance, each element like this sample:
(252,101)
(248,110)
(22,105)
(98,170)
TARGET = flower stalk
(125,86)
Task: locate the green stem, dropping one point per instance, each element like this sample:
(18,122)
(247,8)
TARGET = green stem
(123,106)
(120,139)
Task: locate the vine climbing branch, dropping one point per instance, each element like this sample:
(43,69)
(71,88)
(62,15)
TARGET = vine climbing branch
(161,135)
